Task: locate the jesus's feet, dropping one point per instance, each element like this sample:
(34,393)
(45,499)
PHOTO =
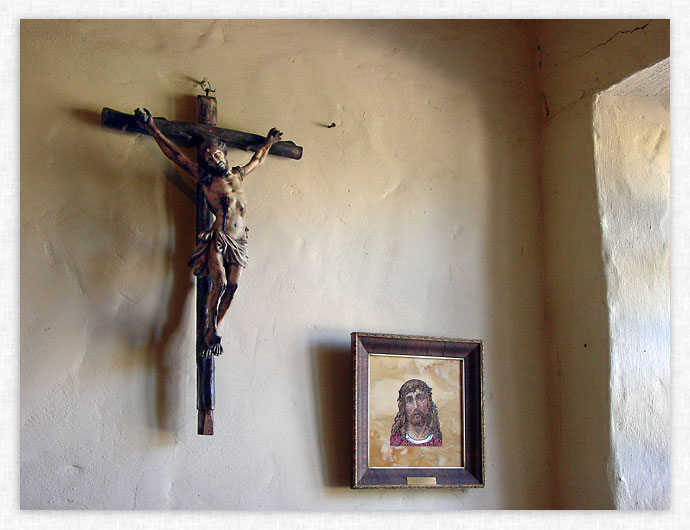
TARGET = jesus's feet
(212,345)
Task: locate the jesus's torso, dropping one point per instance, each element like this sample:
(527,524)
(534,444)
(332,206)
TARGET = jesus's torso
(230,186)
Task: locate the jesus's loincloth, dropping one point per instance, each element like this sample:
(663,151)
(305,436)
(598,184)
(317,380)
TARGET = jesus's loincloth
(234,251)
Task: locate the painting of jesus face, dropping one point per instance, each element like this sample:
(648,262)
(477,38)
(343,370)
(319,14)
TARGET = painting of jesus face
(416,407)
(415,411)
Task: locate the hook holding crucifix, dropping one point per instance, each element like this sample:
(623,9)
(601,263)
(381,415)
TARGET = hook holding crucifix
(221,252)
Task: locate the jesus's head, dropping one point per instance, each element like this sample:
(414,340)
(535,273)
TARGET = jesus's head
(416,410)
(213,154)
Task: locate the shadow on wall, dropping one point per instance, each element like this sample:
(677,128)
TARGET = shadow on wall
(149,340)
(168,372)
(88,117)
(332,376)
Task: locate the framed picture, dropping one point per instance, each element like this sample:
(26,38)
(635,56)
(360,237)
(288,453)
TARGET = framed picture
(418,411)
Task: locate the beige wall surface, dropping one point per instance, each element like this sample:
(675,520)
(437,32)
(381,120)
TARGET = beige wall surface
(578,59)
(419,213)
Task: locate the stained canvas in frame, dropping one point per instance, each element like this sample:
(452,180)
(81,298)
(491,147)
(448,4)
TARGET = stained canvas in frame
(387,374)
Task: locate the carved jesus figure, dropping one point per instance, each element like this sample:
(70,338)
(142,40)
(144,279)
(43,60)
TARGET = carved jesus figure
(221,251)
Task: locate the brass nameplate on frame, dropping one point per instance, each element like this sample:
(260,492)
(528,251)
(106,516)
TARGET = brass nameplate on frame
(421,481)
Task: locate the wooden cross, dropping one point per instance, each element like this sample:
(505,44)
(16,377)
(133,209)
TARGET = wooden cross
(196,134)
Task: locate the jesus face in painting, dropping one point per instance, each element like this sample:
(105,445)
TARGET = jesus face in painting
(417,420)
(417,407)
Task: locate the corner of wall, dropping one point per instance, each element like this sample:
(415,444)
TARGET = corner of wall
(578,59)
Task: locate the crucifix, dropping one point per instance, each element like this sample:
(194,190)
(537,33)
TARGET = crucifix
(221,251)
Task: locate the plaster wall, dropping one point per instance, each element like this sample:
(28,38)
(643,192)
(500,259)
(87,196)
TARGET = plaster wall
(578,59)
(419,213)
(632,146)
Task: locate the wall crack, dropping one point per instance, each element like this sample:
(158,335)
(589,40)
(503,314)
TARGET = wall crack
(546,105)
(621,32)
